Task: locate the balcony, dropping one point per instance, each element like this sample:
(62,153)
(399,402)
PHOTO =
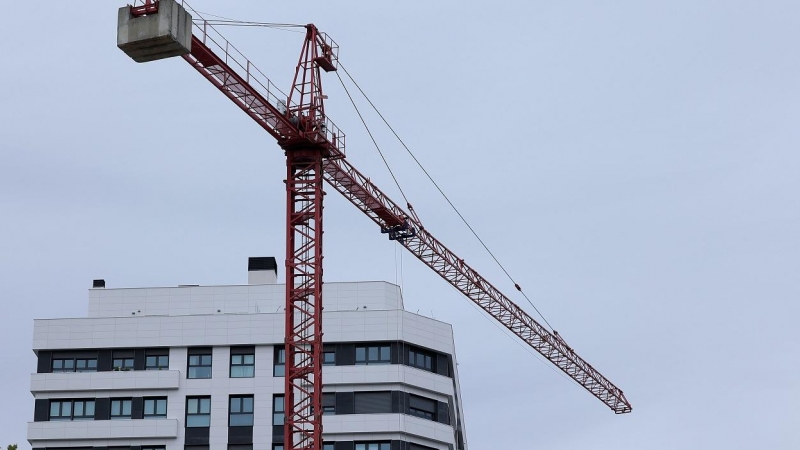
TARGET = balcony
(105,381)
(101,429)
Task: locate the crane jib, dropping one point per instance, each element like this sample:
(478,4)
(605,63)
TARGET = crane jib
(259,98)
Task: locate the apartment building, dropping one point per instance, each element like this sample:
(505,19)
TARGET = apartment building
(201,367)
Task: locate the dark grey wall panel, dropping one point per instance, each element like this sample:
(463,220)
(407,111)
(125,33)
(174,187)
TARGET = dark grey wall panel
(44,365)
(41,410)
(102,409)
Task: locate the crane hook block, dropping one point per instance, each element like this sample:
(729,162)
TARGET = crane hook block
(400,232)
(160,30)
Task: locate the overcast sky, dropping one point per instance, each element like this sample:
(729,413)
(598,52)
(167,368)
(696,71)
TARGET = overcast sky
(634,165)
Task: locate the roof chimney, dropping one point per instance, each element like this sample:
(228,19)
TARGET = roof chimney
(262,270)
(98,284)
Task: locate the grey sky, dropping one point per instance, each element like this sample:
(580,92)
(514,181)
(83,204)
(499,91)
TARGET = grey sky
(634,165)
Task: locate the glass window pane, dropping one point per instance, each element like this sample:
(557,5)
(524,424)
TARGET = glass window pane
(277,404)
(385,354)
(241,420)
(205,360)
(247,404)
(149,407)
(66,408)
(249,359)
(236,359)
(279,371)
(191,405)
(90,408)
(92,364)
(58,363)
(236,404)
(373,354)
(361,355)
(150,361)
(277,419)
(126,408)
(78,408)
(202,420)
(205,405)
(69,364)
(116,407)
(361,447)
(194,360)
(163,361)
(161,406)
(55,409)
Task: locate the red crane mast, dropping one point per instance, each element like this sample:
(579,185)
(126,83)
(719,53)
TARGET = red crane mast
(314,149)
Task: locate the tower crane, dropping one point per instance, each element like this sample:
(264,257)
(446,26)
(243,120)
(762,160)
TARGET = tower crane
(315,153)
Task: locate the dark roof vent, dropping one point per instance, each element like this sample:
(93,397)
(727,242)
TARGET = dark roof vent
(99,284)
(262,263)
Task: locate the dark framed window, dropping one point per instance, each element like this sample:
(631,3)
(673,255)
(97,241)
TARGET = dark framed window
(195,447)
(199,363)
(372,402)
(329,403)
(329,357)
(153,447)
(243,363)
(121,408)
(278,410)
(420,359)
(156,359)
(198,412)
(123,364)
(422,407)
(71,410)
(74,365)
(83,410)
(384,445)
(277,446)
(328,446)
(240,411)
(240,446)
(279,362)
(373,354)
(155,407)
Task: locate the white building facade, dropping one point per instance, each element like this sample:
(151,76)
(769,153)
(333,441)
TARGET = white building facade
(200,367)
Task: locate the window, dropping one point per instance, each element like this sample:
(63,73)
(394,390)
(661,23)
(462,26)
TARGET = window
(328,446)
(155,407)
(373,354)
(328,357)
(199,363)
(123,364)
(63,365)
(156,359)
(243,365)
(240,411)
(240,446)
(278,410)
(279,364)
(71,410)
(122,360)
(277,446)
(422,407)
(329,403)
(198,412)
(373,446)
(153,447)
(420,359)
(121,408)
(373,402)
(74,365)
